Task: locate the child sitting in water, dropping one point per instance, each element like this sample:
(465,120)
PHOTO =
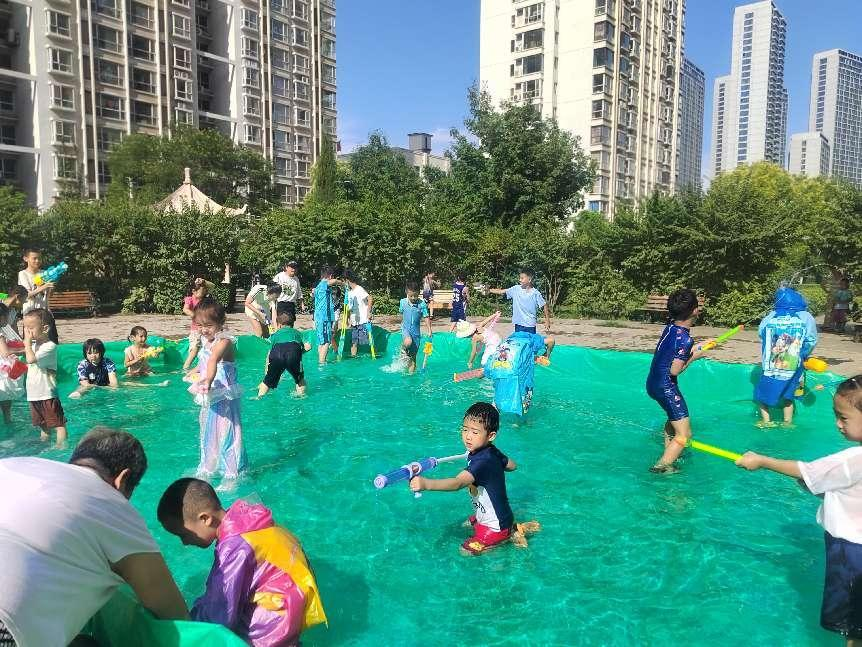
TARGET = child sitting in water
(413,310)
(261,585)
(485,476)
(95,369)
(673,355)
(286,354)
(837,479)
(136,356)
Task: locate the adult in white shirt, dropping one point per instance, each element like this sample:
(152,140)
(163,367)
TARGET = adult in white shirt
(360,303)
(290,289)
(69,537)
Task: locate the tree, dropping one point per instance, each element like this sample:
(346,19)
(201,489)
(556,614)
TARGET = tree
(380,175)
(324,175)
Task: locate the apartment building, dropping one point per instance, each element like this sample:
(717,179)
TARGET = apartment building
(692,89)
(809,154)
(75,78)
(606,70)
(749,121)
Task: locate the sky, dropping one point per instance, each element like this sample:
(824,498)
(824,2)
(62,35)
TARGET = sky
(406,65)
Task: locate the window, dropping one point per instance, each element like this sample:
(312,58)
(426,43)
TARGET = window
(528,40)
(252,78)
(328,99)
(601,109)
(63,96)
(302,144)
(279,58)
(300,90)
(249,18)
(281,114)
(142,48)
(7,134)
(7,100)
(300,37)
(8,168)
(279,31)
(182,116)
(328,22)
(528,64)
(300,9)
(109,72)
(328,73)
(282,167)
(181,3)
(302,191)
(329,125)
(280,86)
(600,135)
(249,47)
(59,24)
(328,47)
(301,170)
(142,15)
(603,57)
(278,5)
(109,106)
(601,83)
(107,138)
(303,117)
(251,105)
(183,89)
(103,173)
(281,139)
(142,81)
(603,31)
(182,26)
(61,60)
(182,57)
(107,8)
(604,6)
(65,168)
(144,113)
(64,133)
(300,63)
(252,134)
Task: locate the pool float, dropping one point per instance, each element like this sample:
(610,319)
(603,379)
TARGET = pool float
(721,338)
(51,275)
(407,472)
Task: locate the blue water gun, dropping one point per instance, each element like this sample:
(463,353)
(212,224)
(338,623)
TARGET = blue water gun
(407,472)
(52,274)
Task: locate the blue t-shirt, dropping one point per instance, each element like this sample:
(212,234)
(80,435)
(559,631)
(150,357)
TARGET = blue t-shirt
(96,374)
(675,343)
(413,315)
(524,305)
(324,309)
(488,467)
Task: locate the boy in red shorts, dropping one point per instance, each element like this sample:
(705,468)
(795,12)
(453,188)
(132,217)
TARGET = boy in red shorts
(485,476)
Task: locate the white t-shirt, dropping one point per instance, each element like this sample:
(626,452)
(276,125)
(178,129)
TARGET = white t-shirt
(358,300)
(258,295)
(492,342)
(61,529)
(42,376)
(838,478)
(28,281)
(290,289)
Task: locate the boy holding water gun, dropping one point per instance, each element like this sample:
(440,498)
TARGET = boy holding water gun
(485,476)
(37,295)
(413,310)
(324,312)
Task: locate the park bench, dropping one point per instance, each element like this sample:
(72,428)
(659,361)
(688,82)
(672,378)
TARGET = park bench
(81,302)
(656,306)
(441,299)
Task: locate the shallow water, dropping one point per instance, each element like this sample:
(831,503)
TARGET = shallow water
(713,554)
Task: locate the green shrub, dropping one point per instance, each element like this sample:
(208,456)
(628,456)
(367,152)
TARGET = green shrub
(602,293)
(815,296)
(742,303)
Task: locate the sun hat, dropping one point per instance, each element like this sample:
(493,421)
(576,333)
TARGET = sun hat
(465,329)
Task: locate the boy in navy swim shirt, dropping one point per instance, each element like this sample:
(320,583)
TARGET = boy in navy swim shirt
(485,476)
(674,354)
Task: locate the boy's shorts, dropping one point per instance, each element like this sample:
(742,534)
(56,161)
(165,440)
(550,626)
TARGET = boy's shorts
(529,329)
(324,332)
(841,610)
(672,402)
(360,334)
(47,413)
(286,356)
(484,537)
(459,314)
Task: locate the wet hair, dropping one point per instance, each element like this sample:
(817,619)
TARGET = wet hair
(30,250)
(136,330)
(45,319)
(96,345)
(210,309)
(285,313)
(851,389)
(485,413)
(350,275)
(681,304)
(185,498)
(411,286)
(325,272)
(109,452)
(527,271)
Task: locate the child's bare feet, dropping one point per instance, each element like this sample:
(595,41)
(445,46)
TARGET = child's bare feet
(519,536)
(44,437)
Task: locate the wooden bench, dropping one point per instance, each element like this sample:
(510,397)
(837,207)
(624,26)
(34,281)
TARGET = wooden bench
(441,299)
(656,305)
(81,302)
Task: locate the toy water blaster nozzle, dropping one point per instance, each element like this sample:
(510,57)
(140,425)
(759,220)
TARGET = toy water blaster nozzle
(52,274)
(407,472)
(715,451)
(721,338)
(427,349)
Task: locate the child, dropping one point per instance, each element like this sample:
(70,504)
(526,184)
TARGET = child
(46,411)
(460,296)
(360,304)
(136,356)
(841,308)
(15,302)
(837,479)
(788,335)
(218,393)
(526,300)
(197,291)
(291,290)
(286,353)
(413,310)
(261,585)
(324,313)
(37,296)
(673,355)
(260,307)
(482,336)
(429,282)
(493,522)
(95,369)
(11,387)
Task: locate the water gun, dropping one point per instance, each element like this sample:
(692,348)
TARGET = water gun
(51,275)
(3,295)
(153,351)
(715,451)
(370,330)
(721,338)
(815,364)
(541,360)
(427,349)
(12,368)
(345,313)
(407,472)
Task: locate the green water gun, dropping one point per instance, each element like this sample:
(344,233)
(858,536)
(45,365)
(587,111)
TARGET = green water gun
(721,338)
(345,313)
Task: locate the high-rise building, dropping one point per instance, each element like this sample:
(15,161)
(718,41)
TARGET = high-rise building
(606,70)
(749,122)
(836,110)
(809,154)
(75,78)
(692,88)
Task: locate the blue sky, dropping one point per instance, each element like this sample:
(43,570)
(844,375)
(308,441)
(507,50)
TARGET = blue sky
(405,65)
